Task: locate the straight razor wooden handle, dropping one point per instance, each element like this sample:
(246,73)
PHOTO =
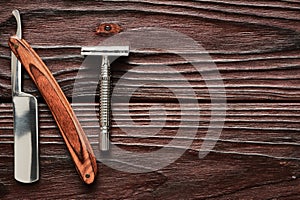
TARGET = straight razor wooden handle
(68,124)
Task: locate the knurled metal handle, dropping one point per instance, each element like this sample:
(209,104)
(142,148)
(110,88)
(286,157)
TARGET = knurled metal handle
(104,104)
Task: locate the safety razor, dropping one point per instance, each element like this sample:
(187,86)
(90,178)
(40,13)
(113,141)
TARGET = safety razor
(105,86)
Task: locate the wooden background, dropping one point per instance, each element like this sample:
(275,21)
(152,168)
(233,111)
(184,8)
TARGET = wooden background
(256,47)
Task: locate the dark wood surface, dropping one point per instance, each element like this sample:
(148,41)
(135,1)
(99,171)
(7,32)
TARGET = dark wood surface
(256,47)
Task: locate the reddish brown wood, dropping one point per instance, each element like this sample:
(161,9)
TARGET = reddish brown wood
(107,29)
(66,120)
(269,130)
(255,45)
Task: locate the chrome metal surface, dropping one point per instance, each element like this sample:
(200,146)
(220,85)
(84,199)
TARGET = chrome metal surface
(105,86)
(105,50)
(26,158)
(104,104)
(15,64)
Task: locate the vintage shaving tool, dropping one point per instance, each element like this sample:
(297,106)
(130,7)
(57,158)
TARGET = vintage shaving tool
(68,124)
(105,86)
(26,159)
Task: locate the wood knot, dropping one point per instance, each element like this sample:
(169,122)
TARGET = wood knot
(107,29)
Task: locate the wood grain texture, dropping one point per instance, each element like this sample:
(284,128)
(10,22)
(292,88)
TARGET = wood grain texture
(107,29)
(256,48)
(71,130)
(258,149)
(267,130)
(258,58)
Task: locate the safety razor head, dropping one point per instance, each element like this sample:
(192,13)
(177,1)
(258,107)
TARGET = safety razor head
(105,51)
